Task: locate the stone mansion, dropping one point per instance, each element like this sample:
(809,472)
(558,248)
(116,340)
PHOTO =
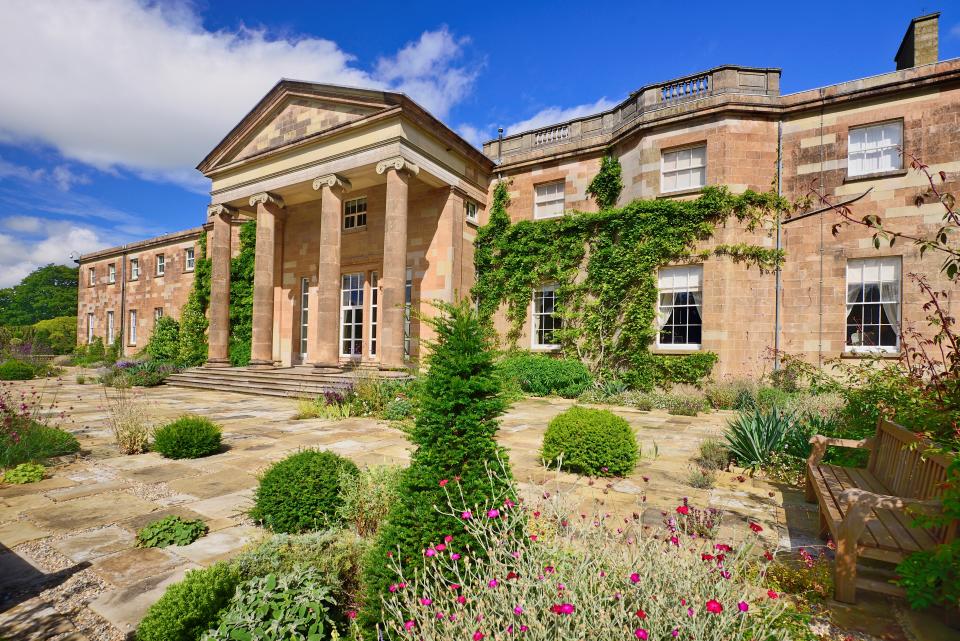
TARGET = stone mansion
(367,209)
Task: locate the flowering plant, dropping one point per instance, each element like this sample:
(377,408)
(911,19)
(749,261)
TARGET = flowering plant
(580,577)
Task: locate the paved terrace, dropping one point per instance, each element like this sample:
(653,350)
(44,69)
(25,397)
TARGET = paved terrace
(69,568)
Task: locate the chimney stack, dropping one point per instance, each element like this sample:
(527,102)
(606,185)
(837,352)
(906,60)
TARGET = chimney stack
(920,45)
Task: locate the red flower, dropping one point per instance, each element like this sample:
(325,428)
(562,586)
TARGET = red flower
(641,614)
(443,482)
(773,595)
(767,555)
(684,510)
(722,547)
(714,606)
(706,557)
(512,575)
(756,527)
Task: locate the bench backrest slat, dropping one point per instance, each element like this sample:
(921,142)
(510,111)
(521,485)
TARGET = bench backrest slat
(906,467)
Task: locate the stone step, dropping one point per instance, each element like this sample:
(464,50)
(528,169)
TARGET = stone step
(248,388)
(295,382)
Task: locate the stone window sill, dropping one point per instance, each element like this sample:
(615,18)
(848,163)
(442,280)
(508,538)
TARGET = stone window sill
(666,351)
(875,176)
(472,223)
(355,230)
(681,192)
(855,355)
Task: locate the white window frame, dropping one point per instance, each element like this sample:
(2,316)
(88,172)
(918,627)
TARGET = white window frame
(678,280)
(304,318)
(91,320)
(680,163)
(879,271)
(189,259)
(373,339)
(875,149)
(536,317)
(407,309)
(161,264)
(471,211)
(355,213)
(546,198)
(112,273)
(134,269)
(132,332)
(111,327)
(351,315)
(92,276)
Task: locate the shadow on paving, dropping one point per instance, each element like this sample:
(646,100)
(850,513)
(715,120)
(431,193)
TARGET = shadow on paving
(20,580)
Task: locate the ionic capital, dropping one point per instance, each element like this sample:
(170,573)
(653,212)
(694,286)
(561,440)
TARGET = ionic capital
(400,164)
(265,198)
(220,210)
(332,181)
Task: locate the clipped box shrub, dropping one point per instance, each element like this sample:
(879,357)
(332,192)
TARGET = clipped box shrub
(591,441)
(541,375)
(189,608)
(187,437)
(302,492)
(14,370)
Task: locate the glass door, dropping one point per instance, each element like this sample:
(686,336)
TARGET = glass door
(304,311)
(374,311)
(351,315)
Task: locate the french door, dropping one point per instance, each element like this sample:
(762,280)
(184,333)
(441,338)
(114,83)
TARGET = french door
(351,315)
(304,311)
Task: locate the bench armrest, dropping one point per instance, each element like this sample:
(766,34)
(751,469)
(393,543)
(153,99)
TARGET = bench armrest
(820,444)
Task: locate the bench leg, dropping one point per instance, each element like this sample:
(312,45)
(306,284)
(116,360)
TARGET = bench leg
(845,566)
(810,494)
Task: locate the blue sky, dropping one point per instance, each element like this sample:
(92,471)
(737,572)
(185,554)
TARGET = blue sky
(109,104)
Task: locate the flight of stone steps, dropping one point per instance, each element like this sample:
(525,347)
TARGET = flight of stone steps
(296,382)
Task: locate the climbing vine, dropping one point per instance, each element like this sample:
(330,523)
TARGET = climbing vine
(192,343)
(605,265)
(241,296)
(607,184)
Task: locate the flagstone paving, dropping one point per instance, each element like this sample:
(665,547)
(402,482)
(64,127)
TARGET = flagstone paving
(76,530)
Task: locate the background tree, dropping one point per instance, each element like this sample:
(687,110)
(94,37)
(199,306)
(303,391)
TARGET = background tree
(459,403)
(48,292)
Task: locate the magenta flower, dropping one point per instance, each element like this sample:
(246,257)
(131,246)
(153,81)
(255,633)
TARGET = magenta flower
(454,556)
(548,569)
(493,513)
(393,587)
(447,539)
(466,515)
(477,635)
(562,608)
(430,552)
(635,578)
(743,606)
(518,610)
(441,547)
(714,607)
(641,634)
(409,625)
(675,632)
(492,583)
(425,601)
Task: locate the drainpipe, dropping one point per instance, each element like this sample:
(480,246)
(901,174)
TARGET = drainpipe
(777,296)
(499,145)
(123,304)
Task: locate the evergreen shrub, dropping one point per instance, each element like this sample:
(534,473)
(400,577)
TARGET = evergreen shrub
(163,345)
(14,370)
(591,441)
(188,608)
(302,492)
(541,375)
(187,437)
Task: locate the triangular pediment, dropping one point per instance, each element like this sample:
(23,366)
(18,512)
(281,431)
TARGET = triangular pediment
(291,112)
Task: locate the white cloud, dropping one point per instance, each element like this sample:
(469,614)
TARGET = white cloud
(116,83)
(476,136)
(64,178)
(556,115)
(18,257)
(24,224)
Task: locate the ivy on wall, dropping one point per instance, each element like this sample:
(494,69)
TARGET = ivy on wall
(607,184)
(192,347)
(241,296)
(605,265)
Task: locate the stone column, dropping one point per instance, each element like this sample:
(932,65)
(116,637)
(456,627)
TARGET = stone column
(269,208)
(327,320)
(218,336)
(393,280)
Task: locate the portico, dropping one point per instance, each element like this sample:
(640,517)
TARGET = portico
(360,199)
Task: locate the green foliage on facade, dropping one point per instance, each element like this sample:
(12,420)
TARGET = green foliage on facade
(241,296)
(605,265)
(47,292)
(459,402)
(607,184)
(164,343)
(192,348)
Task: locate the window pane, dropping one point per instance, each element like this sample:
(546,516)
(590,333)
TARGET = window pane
(871,293)
(888,337)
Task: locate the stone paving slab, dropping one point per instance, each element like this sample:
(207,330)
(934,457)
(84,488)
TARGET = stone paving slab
(217,545)
(13,491)
(160,472)
(90,511)
(124,607)
(225,506)
(131,566)
(36,620)
(206,486)
(93,544)
(16,532)
(85,489)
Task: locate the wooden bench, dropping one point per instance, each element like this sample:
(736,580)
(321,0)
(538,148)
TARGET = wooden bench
(865,510)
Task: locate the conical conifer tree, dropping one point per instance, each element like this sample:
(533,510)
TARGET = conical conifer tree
(459,404)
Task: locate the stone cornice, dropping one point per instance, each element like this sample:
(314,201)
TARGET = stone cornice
(221,210)
(398,163)
(333,181)
(142,245)
(266,198)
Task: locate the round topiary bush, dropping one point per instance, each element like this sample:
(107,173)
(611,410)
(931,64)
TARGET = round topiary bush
(15,371)
(187,437)
(301,492)
(595,442)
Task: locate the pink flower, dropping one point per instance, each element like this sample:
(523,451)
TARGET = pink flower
(430,552)
(743,606)
(773,595)
(454,586)
(440,615)
(351,614)
(447,539)
(508,503)
(675,632)
(425,601)
(518,610)
(454,556)
(409,625)
(524,628)
(393,587)
(548,569)
(635,578)
(443,482)
(466,515)
(683,509)
(494,513)
(722,547)
(441,547)
(563,608)
(461,599)
(492,583)
(675,541)
(641,634)
(714,607)
(477,635)
(756,527)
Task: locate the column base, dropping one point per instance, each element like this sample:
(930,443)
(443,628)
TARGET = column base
(217,362)
(260,364)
